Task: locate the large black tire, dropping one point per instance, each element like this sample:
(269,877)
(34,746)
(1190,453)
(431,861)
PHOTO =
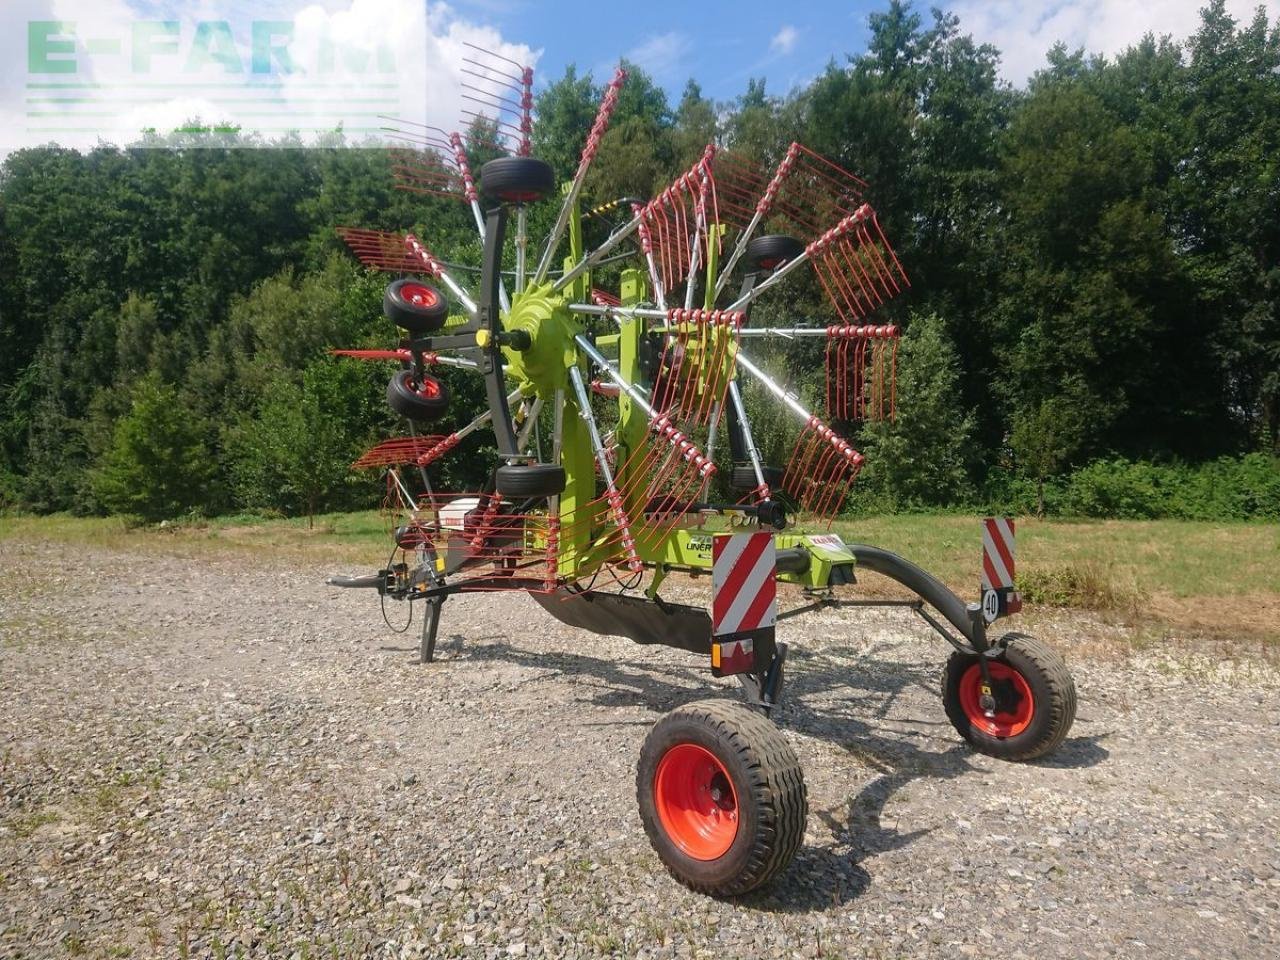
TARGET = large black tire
(767,252)
(527,481)
(743,477)
(721,796)
(1035,699)
(416,306)
(419,400)
(517,179)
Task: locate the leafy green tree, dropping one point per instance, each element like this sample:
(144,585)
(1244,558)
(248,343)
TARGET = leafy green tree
(923,456)
(1044,439)
(635,157)
(1102,243)
(137,330)
(1230,208)
(566,109)
(295,454)
(157,465)
(695,127)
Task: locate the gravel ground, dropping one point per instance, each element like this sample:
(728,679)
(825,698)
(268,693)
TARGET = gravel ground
(203,757)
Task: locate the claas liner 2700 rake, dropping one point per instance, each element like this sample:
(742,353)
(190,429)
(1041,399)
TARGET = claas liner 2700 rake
(589,512)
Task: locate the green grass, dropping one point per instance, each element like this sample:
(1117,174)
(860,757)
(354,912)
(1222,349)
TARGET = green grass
(1216,577)
(1219,579)
(360,537)
(1181,558)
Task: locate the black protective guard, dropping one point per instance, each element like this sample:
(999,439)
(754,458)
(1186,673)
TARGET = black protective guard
(638,619)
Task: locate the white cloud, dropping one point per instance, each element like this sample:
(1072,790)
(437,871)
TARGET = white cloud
(1024,30)
(660,54)
(784,41)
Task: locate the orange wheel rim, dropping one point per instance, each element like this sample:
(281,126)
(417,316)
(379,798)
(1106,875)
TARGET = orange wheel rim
(696,802)
(419,295)
(1015,704)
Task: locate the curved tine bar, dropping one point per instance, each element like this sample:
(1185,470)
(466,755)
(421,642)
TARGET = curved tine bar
(695,246)
(469,190)
(646,247)
(762,209)
(493,53)
(598,254)
(864,212)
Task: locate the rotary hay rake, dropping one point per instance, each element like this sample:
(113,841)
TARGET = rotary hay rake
(636,386)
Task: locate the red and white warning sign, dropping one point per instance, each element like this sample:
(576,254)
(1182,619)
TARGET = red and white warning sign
(744,601)
(999,595)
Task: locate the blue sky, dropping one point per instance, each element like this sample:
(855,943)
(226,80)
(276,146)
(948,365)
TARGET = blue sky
(720,45)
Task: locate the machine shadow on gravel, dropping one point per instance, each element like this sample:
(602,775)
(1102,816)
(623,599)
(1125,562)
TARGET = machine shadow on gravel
(853,683)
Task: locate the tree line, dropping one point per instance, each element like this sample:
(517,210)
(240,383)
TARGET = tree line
(1094,257)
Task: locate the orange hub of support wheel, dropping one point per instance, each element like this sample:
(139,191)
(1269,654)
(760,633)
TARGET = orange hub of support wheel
(1015,705)
(419,295)
(696,802)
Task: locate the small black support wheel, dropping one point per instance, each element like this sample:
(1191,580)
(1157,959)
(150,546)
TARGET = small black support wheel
(416,306)
(767,252)
(517,179)
(420,400)
(522,481)
(721,796)
(1035,699)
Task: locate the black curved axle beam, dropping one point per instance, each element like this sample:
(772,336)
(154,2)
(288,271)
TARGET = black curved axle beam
(965,617)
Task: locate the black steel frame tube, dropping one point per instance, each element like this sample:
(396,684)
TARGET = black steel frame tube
(489,315)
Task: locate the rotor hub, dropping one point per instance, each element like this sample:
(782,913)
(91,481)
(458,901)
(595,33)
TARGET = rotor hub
(543,316)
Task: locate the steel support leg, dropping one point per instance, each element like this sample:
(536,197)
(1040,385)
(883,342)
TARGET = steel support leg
(430,624)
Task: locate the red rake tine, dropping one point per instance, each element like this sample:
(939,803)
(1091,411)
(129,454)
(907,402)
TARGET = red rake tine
(879,267)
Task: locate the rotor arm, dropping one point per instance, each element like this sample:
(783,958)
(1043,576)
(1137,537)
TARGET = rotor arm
(607,105)
(859,216)
(598,254)
(763,207)
(433,267)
